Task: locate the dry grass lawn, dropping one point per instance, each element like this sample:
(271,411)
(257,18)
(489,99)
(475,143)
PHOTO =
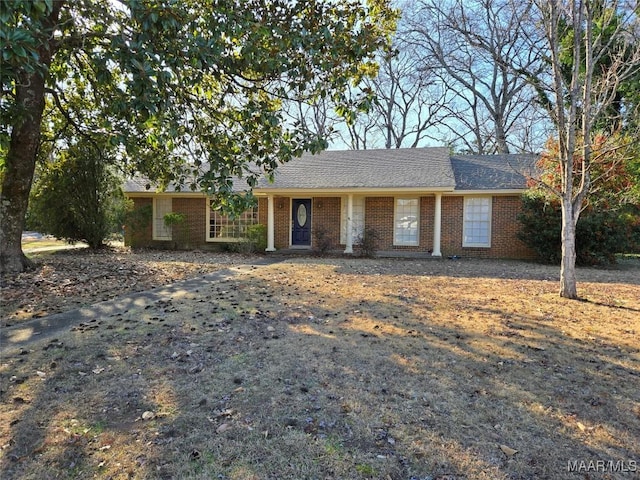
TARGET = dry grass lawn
(331,368)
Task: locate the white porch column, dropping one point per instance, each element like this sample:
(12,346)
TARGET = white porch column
(270,224)
(437,226)
(349,244)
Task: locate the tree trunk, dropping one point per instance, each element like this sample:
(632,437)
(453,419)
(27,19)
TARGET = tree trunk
(20,165)
(568,282)
(501,136)
(21,158)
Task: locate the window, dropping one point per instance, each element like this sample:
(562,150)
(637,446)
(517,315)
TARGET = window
(161,206)
(224,229)
(477,222)
(406,221)
(357,221)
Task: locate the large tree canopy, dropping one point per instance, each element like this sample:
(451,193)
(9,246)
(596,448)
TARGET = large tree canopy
(174,84)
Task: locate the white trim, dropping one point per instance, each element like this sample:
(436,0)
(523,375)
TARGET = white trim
(270,224)
(411,243)
(159,230)
(349,225)
(165,194)
(488,221)
(357,219)
(437,226)
(208,237)
(487,193)
(364,191)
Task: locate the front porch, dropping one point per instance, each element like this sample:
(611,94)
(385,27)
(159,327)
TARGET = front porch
(338,223)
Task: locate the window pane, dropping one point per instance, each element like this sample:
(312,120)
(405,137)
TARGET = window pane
(162,207)
(222,227)
(406,221)
(477,222)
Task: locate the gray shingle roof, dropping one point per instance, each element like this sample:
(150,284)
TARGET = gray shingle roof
(412,168)
(138,184)
(394,168)
(492,172)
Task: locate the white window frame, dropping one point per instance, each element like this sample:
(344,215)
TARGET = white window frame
(161,206)
(357,222)
(235,226)
(477,213)
(400,212)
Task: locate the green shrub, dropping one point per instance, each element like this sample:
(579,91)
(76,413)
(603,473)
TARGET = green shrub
(254,241)
(172,218)
(77,197)
(137,221)
(600,234)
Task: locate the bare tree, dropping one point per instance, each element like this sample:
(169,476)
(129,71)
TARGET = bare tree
(586,73)
(475,45)
(410,102)
(316,116)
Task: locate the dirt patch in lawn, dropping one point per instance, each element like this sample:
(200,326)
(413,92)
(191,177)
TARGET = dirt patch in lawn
(341,368)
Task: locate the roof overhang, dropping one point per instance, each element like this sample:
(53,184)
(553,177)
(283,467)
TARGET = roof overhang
(155,193)
(504,191)
(327,192)
(362,191)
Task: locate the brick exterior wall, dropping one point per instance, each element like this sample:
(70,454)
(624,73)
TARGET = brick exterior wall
(138,230)
(504,229)
(451,227)
(379,215)
(282,221)
(193,232)
(325,223)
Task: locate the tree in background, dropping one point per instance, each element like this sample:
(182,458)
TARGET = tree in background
(593,48)
(477,47)
(409,102)
(77,197)
(188,89)
(609,221)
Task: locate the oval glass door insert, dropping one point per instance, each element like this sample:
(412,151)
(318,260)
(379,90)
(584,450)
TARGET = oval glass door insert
(302,214)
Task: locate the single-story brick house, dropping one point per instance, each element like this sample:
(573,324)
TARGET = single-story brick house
(418,200)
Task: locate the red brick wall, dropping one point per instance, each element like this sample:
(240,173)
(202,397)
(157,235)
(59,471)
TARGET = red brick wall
(282,221)
(325,222)
(451,228)
(427,212)
(379,215)
(190,234)
(137,233)
(504,228)
(193,231)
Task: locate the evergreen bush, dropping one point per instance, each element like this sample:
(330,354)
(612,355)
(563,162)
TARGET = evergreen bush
(600,234)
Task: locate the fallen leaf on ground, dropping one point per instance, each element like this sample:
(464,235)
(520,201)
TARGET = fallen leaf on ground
(510,452)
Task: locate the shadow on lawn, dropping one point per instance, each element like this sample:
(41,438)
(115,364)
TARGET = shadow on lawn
(261,378)
(627,271)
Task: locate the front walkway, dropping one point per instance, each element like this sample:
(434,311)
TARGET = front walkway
(18,337)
